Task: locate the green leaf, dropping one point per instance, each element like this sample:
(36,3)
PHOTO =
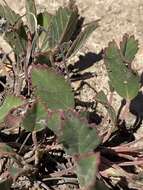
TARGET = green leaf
(54,122)
(102,98)
(129,47)
(9,14)
(44,20)
(2,11)
(52,88)
(31,15)
(77,137)
(122,79)
(71,25)
(35,118)
(86,171)
(17,37)
(9,103)
(62,27)
(82,38)
(17,40)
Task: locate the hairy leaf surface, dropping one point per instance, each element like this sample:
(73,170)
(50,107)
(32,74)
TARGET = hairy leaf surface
(52,88)
(77,137)
(122,79)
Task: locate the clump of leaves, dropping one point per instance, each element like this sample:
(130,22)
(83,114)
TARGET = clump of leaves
(44,138)
(38,98)
(122,78)
(45,38)
(118,135)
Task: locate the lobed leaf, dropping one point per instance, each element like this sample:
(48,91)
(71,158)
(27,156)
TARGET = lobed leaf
(82,38)
(77,137)
(35,117)
(62,27)
(9,103)
(122,79)
(71,131)
(129,47)
(52,89)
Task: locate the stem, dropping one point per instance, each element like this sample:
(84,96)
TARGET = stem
(109,132)
(65,64)
(2,84)
(52,60)
(64,172)
(125,111)
(108,164)
(24,143)
(132,163)
(34,138)
(27,60)
(43,185)
(69,179)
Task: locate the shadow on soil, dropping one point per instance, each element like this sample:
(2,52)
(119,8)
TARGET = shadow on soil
(84,63)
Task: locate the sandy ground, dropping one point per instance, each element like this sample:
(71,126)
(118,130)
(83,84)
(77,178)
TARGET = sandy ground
(117,17)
